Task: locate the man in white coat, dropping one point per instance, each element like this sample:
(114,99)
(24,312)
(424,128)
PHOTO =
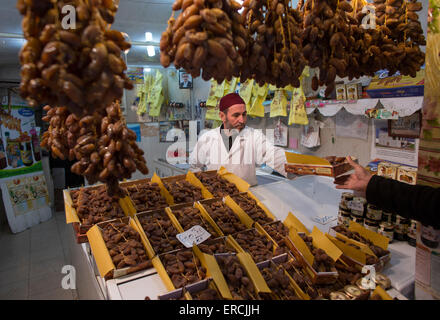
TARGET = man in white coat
(238,148)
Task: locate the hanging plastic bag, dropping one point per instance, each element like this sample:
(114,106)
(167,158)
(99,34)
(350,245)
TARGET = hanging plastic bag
(278,107)
(298,112)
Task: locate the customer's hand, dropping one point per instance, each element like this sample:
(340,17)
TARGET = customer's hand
(357,181)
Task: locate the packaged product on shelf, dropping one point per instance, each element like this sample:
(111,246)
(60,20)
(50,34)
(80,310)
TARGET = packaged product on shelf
(387,229)
(372,225)
(373,213)
(341,93)
(407,174)
(357,206)
(412,233)
(401,228)
(387,170)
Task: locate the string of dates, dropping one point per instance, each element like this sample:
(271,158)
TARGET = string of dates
(275,50)
(103,147)
(207,38)
(79,74)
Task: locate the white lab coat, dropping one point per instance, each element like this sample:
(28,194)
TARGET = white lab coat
(250,149)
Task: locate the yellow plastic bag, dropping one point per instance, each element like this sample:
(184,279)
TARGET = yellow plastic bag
(278,107)
(298,112)
(212,99)
(212,114)
(246,91)
(230,86)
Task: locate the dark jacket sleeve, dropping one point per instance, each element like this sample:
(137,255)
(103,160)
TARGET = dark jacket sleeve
(421,203)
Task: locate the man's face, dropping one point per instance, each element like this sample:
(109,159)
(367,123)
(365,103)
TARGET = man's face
(235,117)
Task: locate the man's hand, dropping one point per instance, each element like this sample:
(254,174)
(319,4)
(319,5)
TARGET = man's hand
(357,181)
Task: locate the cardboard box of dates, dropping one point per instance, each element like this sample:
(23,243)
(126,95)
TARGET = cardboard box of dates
(361,246)
(330,166)
(226,214)
(184,267)
(119,248)
(188,215)
(256,210)
(87,206)
(316,253)
(281,283)
(144,195)
(185,188)
(221,183)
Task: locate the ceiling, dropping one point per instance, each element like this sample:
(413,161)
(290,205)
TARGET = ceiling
(134,17)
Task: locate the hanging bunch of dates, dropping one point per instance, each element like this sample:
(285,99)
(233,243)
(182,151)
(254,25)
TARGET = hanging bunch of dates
(207,38)
(104,149)
(79,67)
(405,35)
(327,43)
(275,50)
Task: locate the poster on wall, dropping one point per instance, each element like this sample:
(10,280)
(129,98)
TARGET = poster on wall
(19,142)
(396,149)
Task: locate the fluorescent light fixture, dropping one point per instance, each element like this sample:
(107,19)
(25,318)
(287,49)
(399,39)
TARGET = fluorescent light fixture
(147,69)
(150,49)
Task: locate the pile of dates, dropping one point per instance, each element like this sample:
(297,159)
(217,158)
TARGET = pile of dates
(257,245)
(103,147)
(378,251)
(206,294)
(189,217)
(278,232)
(322,261)
(146,196)
(207,38)
(224,217)
(370,260)
(295,269)
(80,68)
(183,267)
(279,283)
(213,246)
(160,232)
(94,205)
(240,285)
(183,192)
(215,184)
(251,208)
(124,245)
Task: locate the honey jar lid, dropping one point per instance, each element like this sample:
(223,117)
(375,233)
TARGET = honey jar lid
(382,281)
(353,291)
(338,295)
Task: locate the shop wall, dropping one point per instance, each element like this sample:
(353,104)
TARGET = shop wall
(330,143)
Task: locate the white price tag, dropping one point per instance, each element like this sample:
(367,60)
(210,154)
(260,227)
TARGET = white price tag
(355,205)
(324,219)
(194,235)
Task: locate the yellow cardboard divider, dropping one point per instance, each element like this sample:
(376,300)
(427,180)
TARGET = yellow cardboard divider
(163,191)
(173,219)
(71,215)
(349,251)
(208,218)
(129,205)
(292,221)
(294,158)
(364,248)
(241,184)
(191,178)
(148,246)
(100,252)
(299,243)
(244,218)
(321,241)
(232,242)
(253,272)
(213,270)
(377,239)
(382,293)
(163,273)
